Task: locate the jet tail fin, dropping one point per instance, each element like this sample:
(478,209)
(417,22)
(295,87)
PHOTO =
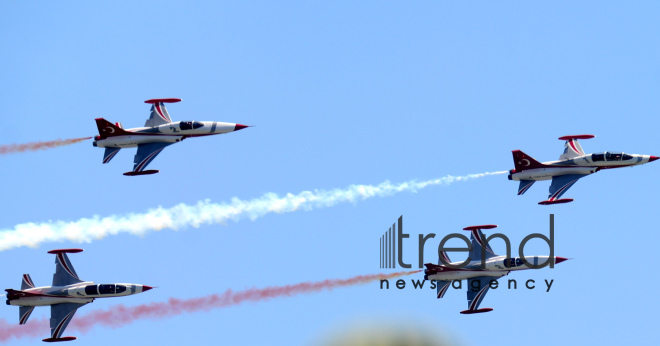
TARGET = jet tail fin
(523,161)
(27,282)
(108,129)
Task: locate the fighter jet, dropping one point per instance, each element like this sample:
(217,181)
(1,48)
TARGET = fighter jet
(65,296)
(478,276)
(158,132)
(573,164)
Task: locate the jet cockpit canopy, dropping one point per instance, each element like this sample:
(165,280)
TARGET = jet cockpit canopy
(609,156)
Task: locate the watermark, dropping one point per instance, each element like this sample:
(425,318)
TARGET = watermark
(474,286)
(391,248)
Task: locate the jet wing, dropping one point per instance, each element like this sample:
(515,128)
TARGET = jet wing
(573,147)
(64,272)
(479,244)
(145,154)
(159,115)
(476,293)
(60,316)
(561,184)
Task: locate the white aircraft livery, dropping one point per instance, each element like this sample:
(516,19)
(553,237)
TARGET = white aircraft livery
(65,296)
(483,268)
(573,164)
(158,132)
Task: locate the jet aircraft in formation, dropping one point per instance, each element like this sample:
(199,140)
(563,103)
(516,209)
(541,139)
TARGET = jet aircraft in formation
(68,292)
(573,164)
(65,295)
(478,276)
(158,132)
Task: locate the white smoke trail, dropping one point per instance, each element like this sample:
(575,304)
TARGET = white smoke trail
(205,212)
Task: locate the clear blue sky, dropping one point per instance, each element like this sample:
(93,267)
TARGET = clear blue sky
(341,93)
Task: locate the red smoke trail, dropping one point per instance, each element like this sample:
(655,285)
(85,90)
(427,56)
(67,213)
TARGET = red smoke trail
(19,148)
(120,315)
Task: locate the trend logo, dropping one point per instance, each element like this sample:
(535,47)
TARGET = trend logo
(391,247)
(388,248)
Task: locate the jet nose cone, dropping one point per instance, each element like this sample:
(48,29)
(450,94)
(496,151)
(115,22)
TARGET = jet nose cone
(240,127)
(560,259)
(146,288)
(653,158)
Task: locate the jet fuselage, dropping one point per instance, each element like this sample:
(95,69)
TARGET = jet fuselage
(80,293)
(494,266)
(166,133)
(583,165)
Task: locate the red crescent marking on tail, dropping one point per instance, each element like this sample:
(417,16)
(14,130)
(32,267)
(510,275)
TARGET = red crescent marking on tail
(573,146)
